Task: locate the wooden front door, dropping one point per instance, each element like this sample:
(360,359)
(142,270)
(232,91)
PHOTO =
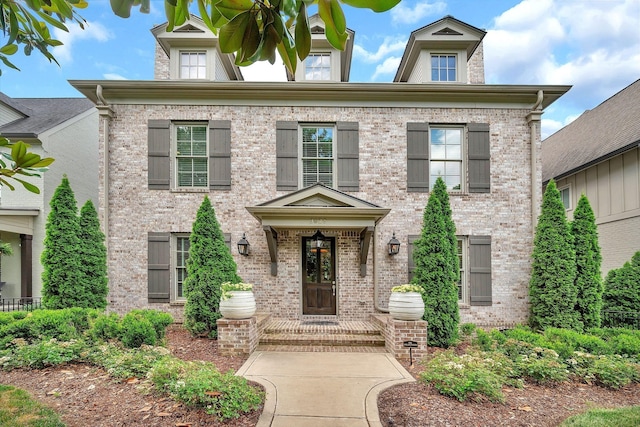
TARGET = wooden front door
(319,276)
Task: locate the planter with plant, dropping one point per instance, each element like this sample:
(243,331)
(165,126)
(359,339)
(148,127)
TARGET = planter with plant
(405,302)
(237,300)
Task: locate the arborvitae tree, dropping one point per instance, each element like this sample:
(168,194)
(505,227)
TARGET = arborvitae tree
(552,288)
(93,254)
(434,272)
(62,266)
(209,264)
(622,293)
(440,190)
(588,260)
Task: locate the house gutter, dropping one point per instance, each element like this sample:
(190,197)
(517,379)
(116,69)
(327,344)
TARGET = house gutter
(106,113)
(534,119)
(376,303)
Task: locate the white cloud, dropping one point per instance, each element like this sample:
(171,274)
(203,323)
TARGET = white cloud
(403,14)
(593,46)
(389,66)
(113,76)
(92,31)
(389,45)
(550,126)
(263,71)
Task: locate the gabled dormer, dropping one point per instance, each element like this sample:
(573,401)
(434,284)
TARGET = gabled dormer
(325,62)
(192,52)
(445,51)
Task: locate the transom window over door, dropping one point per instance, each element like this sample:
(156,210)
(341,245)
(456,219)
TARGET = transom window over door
(446,156)
(317,155)
(193,65)
(317,66)
(443,68)
(192,161)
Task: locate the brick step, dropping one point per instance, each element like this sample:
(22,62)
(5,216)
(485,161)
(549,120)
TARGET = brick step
(323,339)
(322,348)
(320,328)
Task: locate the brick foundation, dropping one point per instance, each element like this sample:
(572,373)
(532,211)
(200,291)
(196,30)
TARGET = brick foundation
(237,337)
(396,332)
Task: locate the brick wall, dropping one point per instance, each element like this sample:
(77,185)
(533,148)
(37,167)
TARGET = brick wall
(505,214)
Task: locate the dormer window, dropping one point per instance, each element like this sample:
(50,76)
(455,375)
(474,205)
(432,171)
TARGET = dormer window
(317,66)
(193,65)
(443,68)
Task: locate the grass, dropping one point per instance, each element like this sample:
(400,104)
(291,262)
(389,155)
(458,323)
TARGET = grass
(622,417)
(18,409)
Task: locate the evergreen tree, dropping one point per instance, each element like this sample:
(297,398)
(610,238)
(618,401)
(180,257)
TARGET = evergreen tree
(436,274)
(93,254)
(588,260)
(62,270)
(552,289)
(440,190)
(209,265)
(622,292)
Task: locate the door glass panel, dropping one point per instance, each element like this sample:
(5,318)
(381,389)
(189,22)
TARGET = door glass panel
(312,263)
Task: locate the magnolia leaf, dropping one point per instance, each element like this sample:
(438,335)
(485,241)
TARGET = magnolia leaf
(251,39)
(8,184)
(232,8)
(18,150)
(3,141)
(30,187)
(338,17)
(303,33)
(170,13)
(52,21)
(9,49)
(182,12)
(121,8)
(28,160)
(232,33)
(375,5)
(270,40)
(328,12)
(288,55)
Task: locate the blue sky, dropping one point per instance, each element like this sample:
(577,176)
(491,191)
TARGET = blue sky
(593,45)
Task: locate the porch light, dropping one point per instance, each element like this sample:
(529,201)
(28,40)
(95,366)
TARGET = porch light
(318,238)
(394,245)
(243,246)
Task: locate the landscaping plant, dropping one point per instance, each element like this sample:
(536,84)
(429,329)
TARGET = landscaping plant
(93,254)
(552,289)
(622,293)
(436,272)
(588,260)
(210,264)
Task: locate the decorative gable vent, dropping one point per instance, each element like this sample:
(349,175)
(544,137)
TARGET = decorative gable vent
(447,32)
(188,29)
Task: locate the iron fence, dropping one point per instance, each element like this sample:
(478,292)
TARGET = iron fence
(621,319)
(20,304)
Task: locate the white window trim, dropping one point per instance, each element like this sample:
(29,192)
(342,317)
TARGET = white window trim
(174,266)
(174,65)
(463,154)
(304,66)
(465,270)
(174,156)
(334,168)
(461,65)
(567,187)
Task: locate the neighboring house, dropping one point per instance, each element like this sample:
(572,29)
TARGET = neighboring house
(281,161)
(67,130)
(598,155)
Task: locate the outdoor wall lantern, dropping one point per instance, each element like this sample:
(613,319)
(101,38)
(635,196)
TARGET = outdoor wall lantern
(243,246)
(318,239)
(394,245)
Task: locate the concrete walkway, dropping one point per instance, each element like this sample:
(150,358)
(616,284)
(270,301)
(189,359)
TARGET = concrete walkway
(322,389)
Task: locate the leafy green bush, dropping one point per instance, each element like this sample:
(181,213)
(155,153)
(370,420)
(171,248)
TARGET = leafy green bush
(63,325)
(200,384)
(542,365)
(128,363)
(611,371)
(137,330)
(466,329)
(566,341)
(44,353)
(160,320)
(105,327)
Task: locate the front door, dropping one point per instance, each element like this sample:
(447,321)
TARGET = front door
(319,276)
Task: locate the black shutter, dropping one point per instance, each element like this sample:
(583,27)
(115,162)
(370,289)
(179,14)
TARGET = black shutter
(286,156)
(159,261)
(159,142)
(480,270)
(220,155)
(411,265)
(418,157)
(348,156)
(479,158)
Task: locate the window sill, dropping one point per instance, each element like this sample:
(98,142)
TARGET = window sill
(464,306)
(178,303)
(190,190)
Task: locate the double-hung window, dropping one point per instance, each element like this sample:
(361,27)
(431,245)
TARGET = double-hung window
(446,156)
(565,195)
(317,66)
(181,256)
(193,65)
(318,158)
(192,159)
(443,68)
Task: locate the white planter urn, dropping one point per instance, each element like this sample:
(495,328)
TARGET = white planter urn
(406,305)
(240,305)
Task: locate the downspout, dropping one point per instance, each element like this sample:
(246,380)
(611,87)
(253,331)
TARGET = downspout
(106,113)
(533,119)
(376,303)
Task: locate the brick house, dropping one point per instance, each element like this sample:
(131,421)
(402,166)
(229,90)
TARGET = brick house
(282,161)
(598,155)
(67,130)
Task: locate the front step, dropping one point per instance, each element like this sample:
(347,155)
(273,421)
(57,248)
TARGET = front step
(288,335)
